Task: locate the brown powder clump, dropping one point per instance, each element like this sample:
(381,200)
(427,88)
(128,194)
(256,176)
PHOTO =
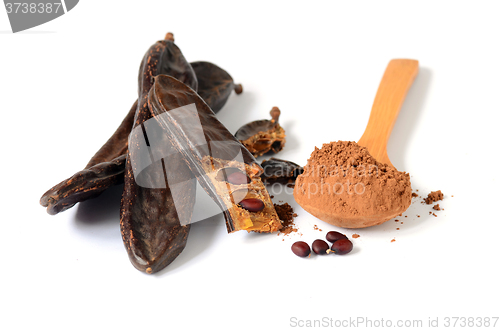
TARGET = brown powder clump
(433,197)
(355,235)
(436,207)
(344,185)
(286,215)
(414,195)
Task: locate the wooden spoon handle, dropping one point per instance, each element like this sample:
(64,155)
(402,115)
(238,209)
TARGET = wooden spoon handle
(397,79)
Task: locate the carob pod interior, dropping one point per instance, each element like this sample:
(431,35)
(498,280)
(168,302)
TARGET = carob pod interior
(163,57)
(280,171)
(214,84)
(208,148)
(263,136)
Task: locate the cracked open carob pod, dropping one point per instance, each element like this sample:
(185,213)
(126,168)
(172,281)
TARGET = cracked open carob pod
(214,84)
(280,171)
(214,155)
(107,166)
(263,136)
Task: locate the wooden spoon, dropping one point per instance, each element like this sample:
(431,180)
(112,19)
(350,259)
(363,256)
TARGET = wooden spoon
(397,80)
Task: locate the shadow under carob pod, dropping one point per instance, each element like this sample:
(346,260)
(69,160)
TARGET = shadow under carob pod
(100,216)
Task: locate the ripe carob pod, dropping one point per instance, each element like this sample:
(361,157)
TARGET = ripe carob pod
(150,221)
(83,185)
(214,84)
(213,154)
(280,171)
(163,57)
(263,136)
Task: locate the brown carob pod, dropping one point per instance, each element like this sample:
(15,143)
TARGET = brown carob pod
(83,185)
(263,136)
(150,221)
(208,148)
(280,171)
(214,84)
(163,57)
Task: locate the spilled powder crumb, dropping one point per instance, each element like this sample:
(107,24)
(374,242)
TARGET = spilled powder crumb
(414,195)
(355,235)
(433,197)
(393,240)
(316,228)
(436,207)
(286,215)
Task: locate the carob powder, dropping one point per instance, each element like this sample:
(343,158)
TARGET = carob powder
(344,185)
(433,197)
(286,215)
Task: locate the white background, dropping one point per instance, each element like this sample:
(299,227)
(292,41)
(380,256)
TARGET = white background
(66,85)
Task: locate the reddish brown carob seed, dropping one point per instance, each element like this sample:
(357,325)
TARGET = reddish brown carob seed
(238,178)
(252,204)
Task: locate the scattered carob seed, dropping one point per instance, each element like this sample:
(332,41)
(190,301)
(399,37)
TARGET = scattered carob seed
(320,247)
(301,248)
(341,245)
(333,236)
